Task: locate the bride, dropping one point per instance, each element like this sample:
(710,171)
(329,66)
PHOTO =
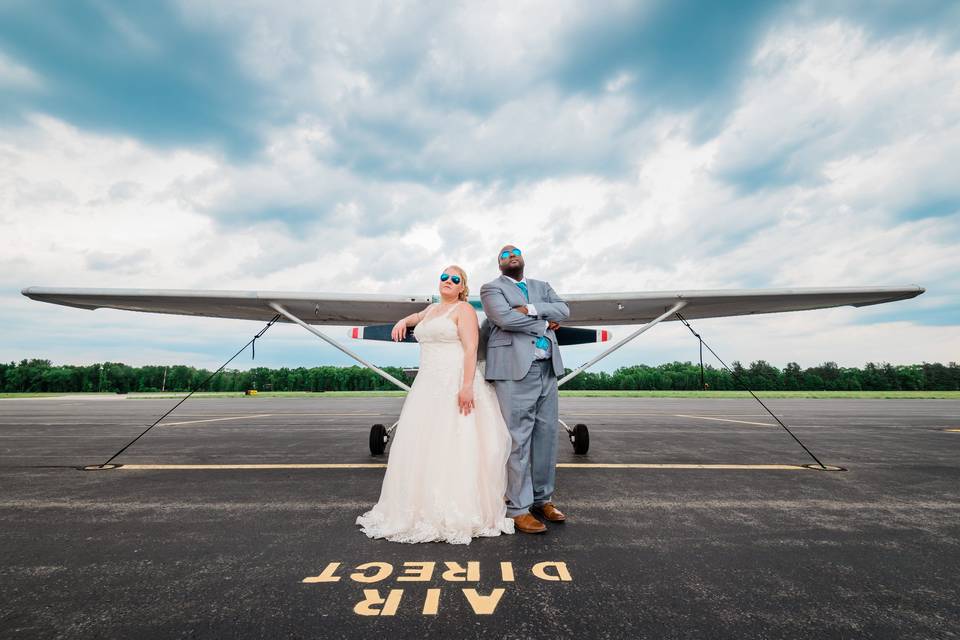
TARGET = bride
(446,475)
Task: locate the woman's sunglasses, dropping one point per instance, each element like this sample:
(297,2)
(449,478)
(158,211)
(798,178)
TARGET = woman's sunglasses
(446,276)
(507,254)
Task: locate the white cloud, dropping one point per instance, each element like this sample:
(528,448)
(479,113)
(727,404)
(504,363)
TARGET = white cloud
(857,134)
(17,76)
(68,199)
(829,94)
(458,49)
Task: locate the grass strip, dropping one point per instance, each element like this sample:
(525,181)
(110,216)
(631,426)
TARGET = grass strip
(814,395)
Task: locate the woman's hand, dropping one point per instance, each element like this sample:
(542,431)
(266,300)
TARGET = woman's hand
(399,331)
(465,399)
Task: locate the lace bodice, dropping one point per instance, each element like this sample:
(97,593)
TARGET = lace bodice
(440,346)
(437,327)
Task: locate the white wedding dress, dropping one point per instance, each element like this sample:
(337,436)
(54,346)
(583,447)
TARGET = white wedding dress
(446,474)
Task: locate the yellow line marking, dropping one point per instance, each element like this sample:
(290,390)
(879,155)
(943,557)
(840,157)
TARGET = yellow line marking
(282,413)
(664,413)
(761,424)
(254,415)
(176,424)
(953,430)
(374,415)
(588,413)
(757,467)
(263,415)
(563,465)
(272,415)
(164,467)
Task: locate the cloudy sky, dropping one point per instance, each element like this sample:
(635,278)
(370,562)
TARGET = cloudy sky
(363,146)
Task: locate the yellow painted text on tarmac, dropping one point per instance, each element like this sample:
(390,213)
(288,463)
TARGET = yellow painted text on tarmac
(483,601)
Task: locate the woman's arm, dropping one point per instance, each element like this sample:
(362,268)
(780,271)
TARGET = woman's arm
(468,328)
(399,331)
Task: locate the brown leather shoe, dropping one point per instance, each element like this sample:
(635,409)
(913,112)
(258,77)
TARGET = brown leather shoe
(528,524)
(550,512)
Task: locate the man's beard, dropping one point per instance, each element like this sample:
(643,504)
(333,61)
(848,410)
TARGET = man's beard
(516,273)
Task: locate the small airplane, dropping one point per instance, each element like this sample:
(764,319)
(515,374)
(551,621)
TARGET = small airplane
(375,315)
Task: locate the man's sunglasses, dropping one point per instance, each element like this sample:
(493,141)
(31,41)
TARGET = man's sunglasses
(446,276)
(507,254)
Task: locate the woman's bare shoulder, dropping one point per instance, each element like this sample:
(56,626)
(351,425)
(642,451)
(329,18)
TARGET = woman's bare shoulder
(466,311)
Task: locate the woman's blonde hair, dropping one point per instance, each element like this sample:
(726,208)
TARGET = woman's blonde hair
(463,280)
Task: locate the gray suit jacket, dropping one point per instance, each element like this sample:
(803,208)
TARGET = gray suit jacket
(510,335)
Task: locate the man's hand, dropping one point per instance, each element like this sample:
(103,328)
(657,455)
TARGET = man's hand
(553,326)
(522,309)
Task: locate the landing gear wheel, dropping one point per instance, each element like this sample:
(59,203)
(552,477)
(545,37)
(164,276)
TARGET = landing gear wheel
(580,438)
(378,439)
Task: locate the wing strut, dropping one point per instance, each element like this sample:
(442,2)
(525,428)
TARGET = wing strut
(741,383)
(666,314)
(289,316)
(253,341)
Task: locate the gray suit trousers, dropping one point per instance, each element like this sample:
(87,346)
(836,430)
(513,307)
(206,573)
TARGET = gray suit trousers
(530,408)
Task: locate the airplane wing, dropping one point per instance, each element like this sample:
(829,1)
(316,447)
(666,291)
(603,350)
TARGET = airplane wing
(640,308)
(359,309)
(313,308)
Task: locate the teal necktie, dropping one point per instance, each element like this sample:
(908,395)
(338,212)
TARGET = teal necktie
(542,341)
(523,287)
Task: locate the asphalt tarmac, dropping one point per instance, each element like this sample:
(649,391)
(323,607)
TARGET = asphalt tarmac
(746,550)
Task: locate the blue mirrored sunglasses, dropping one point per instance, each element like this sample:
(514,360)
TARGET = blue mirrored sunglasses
(507,254)
(446,276)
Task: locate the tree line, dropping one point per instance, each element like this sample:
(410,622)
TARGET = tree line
(42,376)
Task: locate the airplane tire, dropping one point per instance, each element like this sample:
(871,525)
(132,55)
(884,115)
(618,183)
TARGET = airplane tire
(378,439)
(580,437)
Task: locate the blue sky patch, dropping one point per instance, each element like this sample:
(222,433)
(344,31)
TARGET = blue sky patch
(134,68)
(683,54)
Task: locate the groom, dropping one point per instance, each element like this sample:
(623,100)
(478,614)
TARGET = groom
(523,362)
